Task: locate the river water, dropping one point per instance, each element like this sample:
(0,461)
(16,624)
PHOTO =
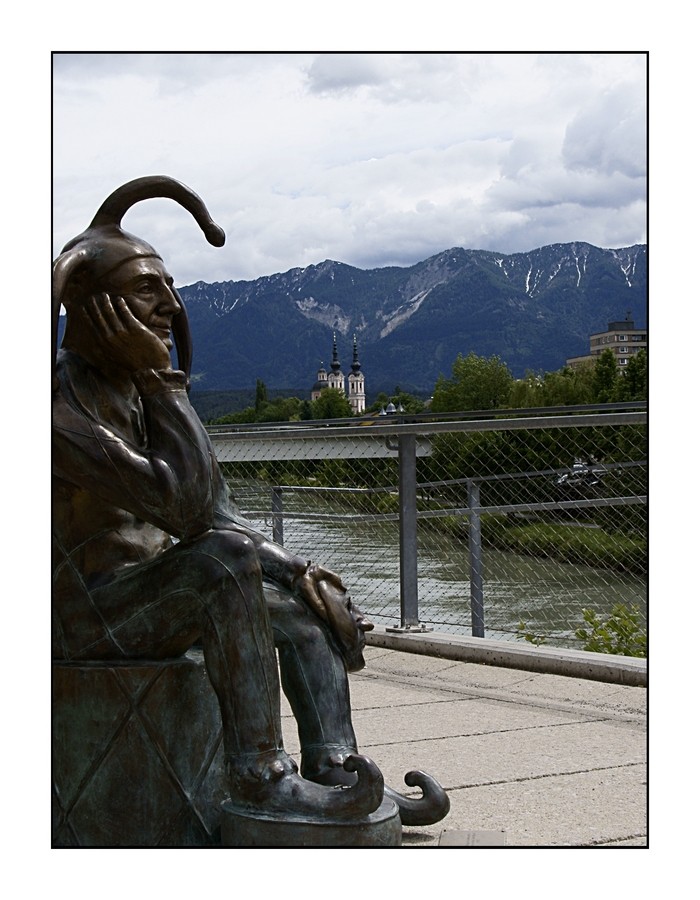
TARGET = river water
(548,596)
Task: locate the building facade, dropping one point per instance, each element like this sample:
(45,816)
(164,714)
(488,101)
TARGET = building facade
(356,382)
(622,338)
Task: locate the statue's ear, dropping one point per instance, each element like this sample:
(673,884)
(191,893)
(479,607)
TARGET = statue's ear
(64,268)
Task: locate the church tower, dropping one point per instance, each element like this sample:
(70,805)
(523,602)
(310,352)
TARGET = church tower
(336,379)
(356,382)
(321,383)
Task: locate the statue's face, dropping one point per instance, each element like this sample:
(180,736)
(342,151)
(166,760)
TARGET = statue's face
(146,286)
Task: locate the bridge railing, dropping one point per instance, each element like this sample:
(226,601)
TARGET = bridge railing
(505,525)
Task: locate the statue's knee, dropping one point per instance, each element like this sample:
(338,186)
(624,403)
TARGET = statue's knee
(224,555)
(309,639)
(296,628)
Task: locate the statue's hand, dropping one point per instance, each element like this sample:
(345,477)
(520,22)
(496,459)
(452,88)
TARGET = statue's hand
(324,592)
(121,339)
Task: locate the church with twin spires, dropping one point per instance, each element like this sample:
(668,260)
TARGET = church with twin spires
(335,379)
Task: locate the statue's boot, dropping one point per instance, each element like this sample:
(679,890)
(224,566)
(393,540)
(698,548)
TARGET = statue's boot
(315,682)
(275,787)
(328,768)
(432,807)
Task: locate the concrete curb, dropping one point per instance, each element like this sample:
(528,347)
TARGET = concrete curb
(626,670)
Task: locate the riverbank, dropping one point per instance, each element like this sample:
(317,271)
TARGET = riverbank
(573,540)
(569,542)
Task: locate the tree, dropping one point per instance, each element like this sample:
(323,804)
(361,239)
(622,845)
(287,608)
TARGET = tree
(260,395)
(332,404)
(285,409)
(605,378)
(633,384)
(527,391)
(409,403)
(381,401)
(568,387)
(476,383)
(244,417)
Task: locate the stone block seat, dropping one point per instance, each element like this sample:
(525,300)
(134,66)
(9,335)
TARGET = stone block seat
(137,754)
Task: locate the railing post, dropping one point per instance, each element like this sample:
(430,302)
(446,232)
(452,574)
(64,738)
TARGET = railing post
(476,570)
(277,518)
(408,536)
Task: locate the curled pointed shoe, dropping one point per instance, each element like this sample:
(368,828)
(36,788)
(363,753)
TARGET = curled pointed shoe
(325,765)
(426,810)
(365,796)
(292,797)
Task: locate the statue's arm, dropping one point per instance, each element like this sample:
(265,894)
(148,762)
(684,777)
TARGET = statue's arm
(317,586)
(278,565)
(167,483)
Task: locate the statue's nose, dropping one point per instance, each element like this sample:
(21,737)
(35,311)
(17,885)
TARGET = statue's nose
(170,304)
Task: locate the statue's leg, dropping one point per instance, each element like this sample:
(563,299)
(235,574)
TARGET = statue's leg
(211,588)
(208,589)
(315,682)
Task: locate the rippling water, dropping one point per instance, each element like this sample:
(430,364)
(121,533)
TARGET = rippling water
(545,594)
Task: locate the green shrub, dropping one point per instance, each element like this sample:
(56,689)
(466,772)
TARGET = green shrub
(620,633)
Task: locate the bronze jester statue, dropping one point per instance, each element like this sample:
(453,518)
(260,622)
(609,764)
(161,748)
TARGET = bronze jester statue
(150,555)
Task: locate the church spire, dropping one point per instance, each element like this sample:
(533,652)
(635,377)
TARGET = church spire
(356,381)
(336,379)
(355,359)
(335,362)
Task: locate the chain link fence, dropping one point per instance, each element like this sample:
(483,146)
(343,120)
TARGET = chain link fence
(505,527)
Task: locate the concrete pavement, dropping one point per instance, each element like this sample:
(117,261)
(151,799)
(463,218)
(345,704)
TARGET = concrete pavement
(528,758)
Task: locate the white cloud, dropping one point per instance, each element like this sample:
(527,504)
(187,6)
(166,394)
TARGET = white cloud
(370,159)
(339,72)
(610,135)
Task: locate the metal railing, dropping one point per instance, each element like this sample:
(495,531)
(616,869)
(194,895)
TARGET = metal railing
(380,503)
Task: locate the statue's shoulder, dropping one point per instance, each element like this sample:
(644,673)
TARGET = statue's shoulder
(69,366)
(77,387)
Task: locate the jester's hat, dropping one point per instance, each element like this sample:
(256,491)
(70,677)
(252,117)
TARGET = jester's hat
(104,246)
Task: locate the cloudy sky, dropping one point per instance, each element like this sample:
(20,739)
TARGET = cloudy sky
(370,159)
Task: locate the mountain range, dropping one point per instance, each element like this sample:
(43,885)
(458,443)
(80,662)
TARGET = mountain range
(532,309)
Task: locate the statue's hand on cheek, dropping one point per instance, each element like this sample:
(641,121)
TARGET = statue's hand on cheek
(121,338)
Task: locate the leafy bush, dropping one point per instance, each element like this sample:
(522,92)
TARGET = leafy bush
(620,633)
(529,636)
